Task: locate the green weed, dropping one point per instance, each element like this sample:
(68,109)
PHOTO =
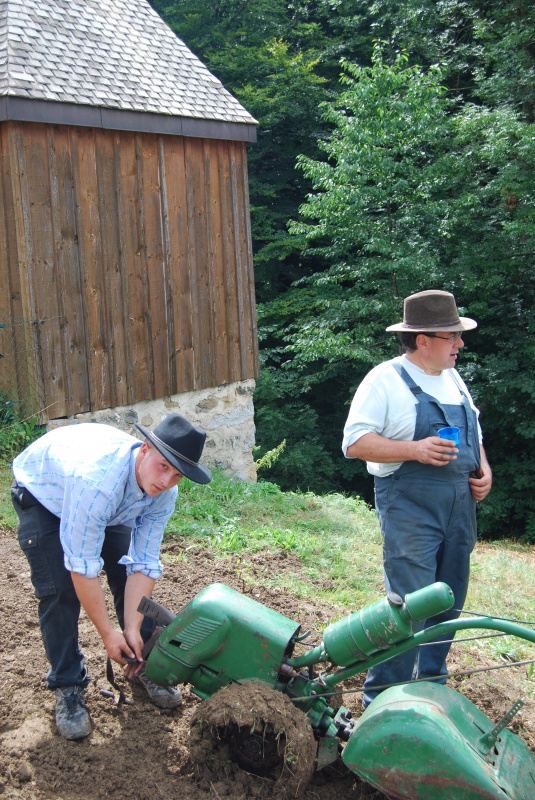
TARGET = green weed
(16,431)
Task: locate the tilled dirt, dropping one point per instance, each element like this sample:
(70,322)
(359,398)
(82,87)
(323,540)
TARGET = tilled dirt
(137,751)
(271,738)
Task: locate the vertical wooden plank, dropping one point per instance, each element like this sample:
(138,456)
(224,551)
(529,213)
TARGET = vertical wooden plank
(10,300)
(33,165)
(111,268)
(160,301)
(177,254)
(197,260)
(253,364)
(29,375)
(144,390)
(68,286)
(118,166)
(92,281)
(167,261)
(11,381)
(215,234)
(244,278)
(229,265)
(132,239)
(241,286)
(18,242)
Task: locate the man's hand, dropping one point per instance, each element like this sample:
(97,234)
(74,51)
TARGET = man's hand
(481,484)
(435,451)
(117,647)
(137,586)
(133,637)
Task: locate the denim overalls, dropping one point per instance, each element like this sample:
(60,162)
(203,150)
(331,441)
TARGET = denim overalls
(428,523)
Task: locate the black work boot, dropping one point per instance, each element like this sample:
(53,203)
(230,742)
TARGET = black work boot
(72,716)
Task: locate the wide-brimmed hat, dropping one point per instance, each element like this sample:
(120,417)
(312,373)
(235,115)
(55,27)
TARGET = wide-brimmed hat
(181,444)
(432,310)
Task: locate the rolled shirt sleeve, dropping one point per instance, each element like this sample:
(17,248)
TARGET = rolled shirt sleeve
(367,414)
(147,534)
(86,512)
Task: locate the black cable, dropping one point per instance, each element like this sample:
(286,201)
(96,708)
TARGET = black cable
(419,680)
(492,616)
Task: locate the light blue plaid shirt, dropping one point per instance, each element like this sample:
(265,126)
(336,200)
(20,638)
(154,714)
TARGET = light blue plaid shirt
(85,475)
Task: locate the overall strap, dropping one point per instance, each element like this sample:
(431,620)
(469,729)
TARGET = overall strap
(471,417)
(423,398)
(458,385)
(404,375)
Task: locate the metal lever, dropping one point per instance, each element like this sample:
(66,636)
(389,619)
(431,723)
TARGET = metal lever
(489,739)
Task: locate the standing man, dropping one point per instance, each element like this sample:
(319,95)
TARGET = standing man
(425,487)
(91,497)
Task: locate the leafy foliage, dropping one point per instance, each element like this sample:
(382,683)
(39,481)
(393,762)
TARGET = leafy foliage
(16,432)
(413,194)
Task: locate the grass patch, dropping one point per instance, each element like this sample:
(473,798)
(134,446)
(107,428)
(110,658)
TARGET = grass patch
(8,517)
(336,538)
(502,583)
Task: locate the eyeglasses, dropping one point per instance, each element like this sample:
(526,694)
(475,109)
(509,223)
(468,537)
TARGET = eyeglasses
(453,338)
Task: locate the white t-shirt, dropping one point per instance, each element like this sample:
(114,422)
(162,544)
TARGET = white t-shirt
(384,404)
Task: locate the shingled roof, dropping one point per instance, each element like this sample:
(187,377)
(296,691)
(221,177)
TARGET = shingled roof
(112,63)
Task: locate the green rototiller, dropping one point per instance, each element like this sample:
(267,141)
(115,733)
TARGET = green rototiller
(269,712)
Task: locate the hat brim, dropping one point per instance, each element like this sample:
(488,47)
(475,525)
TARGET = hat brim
(464,324)
(198,474)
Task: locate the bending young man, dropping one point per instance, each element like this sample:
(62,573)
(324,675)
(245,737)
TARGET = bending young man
(91,497)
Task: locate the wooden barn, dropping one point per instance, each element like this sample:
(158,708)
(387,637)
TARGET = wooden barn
(124,226)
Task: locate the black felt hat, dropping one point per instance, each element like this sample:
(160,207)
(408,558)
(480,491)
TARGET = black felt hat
(181,444)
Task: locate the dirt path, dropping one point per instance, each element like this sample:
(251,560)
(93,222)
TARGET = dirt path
(138,752)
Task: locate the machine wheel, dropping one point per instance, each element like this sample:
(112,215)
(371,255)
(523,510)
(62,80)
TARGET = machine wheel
(251,735)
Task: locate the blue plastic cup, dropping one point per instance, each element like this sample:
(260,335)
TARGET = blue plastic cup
(453,434)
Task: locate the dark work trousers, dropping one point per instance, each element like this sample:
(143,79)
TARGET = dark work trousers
(428,523)
(59,607)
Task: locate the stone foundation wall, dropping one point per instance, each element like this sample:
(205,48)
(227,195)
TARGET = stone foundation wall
(226,413)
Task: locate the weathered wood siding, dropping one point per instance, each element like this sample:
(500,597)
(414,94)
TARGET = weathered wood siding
(133,252)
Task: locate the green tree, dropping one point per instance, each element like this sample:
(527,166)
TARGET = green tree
(486,47)
(492,213)
(374,223)
(415,193)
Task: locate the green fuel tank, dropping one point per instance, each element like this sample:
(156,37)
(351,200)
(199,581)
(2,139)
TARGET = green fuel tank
(382,624)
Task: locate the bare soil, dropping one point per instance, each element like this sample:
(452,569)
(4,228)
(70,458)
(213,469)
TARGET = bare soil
(137,751)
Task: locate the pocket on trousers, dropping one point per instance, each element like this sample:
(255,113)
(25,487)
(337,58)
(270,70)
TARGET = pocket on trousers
(41,573)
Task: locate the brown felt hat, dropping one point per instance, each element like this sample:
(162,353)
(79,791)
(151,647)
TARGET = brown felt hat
(432,310)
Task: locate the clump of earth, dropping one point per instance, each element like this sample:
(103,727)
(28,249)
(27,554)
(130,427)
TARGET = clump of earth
(139,752)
